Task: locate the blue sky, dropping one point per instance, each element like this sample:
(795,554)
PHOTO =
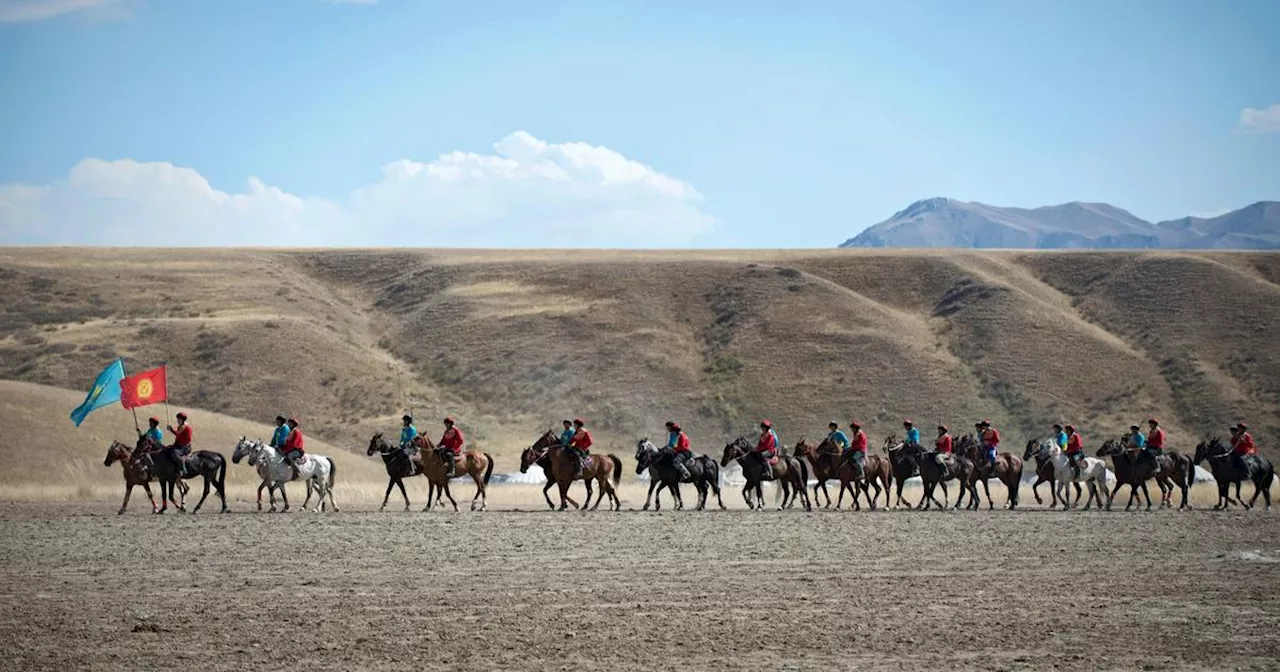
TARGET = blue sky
(635,124)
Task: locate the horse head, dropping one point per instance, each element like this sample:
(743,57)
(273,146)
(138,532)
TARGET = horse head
(376,444)
(735,449)
(116,451)
(530,456)
(644,454)
(1209,448)
(246,447)
(890,443)
(1113,447)
(1033,446)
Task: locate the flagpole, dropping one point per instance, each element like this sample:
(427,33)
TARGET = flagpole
(167,420)
(136,428)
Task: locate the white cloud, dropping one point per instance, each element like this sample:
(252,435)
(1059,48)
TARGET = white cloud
(1261,121)
(39,10)
(528,193)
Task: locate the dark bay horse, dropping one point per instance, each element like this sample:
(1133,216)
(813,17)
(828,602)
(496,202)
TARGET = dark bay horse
(598,467)
(704,474)
(399,467)
(136,472)
(903,468)
(1136,470)
(932,475)
(1044,473)
(1008,469)
(791,473)
(827,463)
(210,465)
(1259,470)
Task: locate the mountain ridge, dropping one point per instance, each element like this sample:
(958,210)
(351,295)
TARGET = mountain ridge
(949,223)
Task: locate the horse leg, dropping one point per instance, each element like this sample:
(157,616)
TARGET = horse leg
(403,493)
(1238,497)
(1146,494)
(840,498)
(480,494)
(391,484)
(128,489)
(284,496)
(202,496)
(449,493)
(991,505)
(147,487)
(945,496)
(1036,493)
(653,483)
(262,485)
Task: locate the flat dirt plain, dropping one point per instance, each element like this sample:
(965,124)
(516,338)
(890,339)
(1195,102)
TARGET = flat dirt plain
(1035,589)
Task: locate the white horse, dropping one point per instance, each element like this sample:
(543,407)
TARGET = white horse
(317,470)
(1093,473)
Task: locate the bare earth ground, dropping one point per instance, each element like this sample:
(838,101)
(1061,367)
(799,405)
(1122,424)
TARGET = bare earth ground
(629,590)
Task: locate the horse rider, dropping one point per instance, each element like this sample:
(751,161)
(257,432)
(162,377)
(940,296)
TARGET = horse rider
(1137,441)
(766,449)
(1241,447)
(1060,437)
(566,437)
(837,436)
(1155,440)
(294,446)
(153,434)
(990,444)
(182,438)
(450,446)
(1075,450)
(281,435)
(942,447)
(913,434)
(579,447)
(407,433)
(678,444)
(856,453)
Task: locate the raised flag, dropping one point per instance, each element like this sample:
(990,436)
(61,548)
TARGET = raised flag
(142,389)
(105,391)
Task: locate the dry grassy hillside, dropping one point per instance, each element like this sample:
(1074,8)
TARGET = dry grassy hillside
(512,341)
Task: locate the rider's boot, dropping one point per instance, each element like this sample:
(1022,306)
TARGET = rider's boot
(684,471)
(450,465)
(766,472)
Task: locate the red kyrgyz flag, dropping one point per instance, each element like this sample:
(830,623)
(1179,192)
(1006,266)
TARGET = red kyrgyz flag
(144,388)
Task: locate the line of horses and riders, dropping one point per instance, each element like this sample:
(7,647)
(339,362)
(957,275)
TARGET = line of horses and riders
(965,461)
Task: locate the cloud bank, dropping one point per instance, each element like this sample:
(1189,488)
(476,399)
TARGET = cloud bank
(1261,121)
(38,10)
(528,193)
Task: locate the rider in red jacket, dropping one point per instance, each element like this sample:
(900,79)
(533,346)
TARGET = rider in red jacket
(678,443)
(450,446)
(580,447)
(766,449)
(1242,446)
(183,437)
(856,454)
(1075,449)
(294,446)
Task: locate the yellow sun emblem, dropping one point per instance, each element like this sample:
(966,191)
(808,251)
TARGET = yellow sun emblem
(144,388)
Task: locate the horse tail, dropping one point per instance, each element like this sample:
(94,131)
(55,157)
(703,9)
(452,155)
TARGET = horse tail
(488,471)
(222,470)
(333,471)
(617,469)
(804,473)
(711,472)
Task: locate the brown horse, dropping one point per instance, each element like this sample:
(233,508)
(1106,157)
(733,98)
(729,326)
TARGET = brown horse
(135,473)
(531,456)
(1008,469)
(597,467)
(473,463)
(791,473)
(825,458)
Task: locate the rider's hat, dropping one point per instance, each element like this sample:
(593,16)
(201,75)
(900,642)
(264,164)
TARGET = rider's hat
(293,421)
(407,418)
(1057,425)
(1241,426)
(906,421)
(986,423)
(182,416)
(567,421)
(855,424)
(671,423)
(153,420)
(449,420)
(1071,428)
(1134,427)
(280,418)
(766,424)
(833,423)
(943,428)
(1152,421)
(579,421)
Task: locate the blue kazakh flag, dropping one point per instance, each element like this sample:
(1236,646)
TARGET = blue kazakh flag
(105,391)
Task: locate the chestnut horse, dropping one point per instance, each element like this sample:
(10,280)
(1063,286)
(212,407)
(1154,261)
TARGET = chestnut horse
(1008,469)
(827,463)
(529,457)
(597,467)
(473,463)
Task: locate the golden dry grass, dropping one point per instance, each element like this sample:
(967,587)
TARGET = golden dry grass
(513,341)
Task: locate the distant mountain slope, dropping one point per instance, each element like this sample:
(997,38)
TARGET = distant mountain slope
(944,222)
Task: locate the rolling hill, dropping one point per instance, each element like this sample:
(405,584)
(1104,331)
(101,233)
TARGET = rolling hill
(944,222)
(512,341)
